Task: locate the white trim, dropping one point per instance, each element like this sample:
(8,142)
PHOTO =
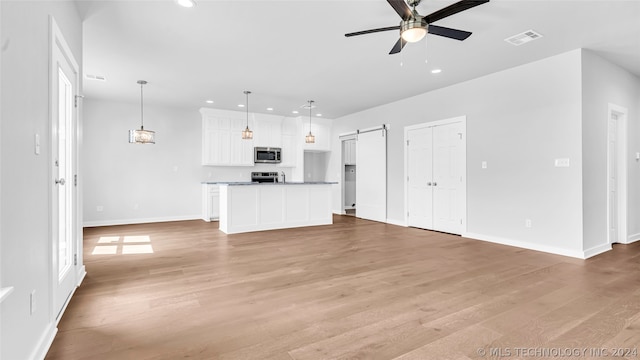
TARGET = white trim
(396,222)
(463,197)
(44,343)
(526,245)
(621,165)
(81,274)
(633,238)
(141,220)
(596,250)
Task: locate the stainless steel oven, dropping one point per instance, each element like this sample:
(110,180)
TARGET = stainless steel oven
(269,155)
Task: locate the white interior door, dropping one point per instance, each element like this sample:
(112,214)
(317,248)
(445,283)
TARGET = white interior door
(447,177)
(64,79)
(419,178)
(436,161)
(371,182)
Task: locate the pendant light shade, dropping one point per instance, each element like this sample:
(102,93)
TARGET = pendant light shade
(142,136)
(310,139)
(247,134)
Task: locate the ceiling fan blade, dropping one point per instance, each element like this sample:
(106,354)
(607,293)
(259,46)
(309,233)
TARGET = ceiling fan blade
(398,46)
(448,32)
(372,31)
(401,8)
(453,9)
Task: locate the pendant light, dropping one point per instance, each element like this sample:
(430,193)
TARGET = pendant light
(310,139)
(142,136)
(246,133)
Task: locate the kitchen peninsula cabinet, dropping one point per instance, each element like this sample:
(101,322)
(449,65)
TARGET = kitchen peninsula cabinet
(210,202)
(246,207)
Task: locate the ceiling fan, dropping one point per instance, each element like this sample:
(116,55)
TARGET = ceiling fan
(414,26)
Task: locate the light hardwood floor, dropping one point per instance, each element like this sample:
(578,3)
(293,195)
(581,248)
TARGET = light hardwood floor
(352,290)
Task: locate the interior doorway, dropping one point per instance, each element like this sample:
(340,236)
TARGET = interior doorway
(349,174)
(435,173)
(64,84)
(616,174)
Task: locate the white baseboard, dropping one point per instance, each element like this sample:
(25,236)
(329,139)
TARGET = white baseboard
(44,343)
(82,272)
(633,238)
(141,220)
(527,245)
(597,250)
(396,222)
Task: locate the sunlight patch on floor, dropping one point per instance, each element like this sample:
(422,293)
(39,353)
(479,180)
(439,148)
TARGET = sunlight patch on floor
(124,245)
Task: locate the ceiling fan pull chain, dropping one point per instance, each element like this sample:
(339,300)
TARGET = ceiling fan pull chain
(426,50)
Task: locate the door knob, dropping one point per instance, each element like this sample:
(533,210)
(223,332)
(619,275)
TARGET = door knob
(434,184)
(62,181)
(428,184)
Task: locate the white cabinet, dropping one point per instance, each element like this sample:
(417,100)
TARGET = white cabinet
(289,143)
(321,129)
(267,131)
(222,142)
(210,202)
(349,152)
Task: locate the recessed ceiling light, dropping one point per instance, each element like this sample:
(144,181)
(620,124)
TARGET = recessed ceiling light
(240,105)
(295,111)
(209,101)
(318,114)
(186,3)
(269,109)
(436,71)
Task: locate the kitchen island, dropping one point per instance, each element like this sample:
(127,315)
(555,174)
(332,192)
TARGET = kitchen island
(246,207)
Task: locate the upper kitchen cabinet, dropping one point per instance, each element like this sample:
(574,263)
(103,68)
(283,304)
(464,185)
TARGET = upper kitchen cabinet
(222,142)
(267,131)
(321,129)
(289,143)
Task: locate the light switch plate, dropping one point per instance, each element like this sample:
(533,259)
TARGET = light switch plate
(36,140)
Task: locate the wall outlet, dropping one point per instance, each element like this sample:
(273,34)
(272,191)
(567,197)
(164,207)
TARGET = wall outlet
(32,302)
(484,164)
(527,223)
(99,208)
(135,206)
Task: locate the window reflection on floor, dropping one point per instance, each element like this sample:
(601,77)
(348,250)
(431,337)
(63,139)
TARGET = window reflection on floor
(125,245)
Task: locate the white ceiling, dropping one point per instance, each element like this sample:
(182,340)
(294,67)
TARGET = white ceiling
(287,52)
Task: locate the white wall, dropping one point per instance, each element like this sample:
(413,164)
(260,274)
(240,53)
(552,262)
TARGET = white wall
(518,120)
(140,183)
(605,83)
(25,212)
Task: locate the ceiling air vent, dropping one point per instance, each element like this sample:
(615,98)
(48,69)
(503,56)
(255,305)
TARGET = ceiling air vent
(522,38)
(95,77)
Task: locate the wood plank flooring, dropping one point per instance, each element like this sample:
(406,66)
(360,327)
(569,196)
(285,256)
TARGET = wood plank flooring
(352,290)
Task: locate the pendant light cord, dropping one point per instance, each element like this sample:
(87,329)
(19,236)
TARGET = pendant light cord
(310,104)
(141,108)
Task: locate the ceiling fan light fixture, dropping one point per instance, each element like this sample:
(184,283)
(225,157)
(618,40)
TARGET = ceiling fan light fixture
(413,30)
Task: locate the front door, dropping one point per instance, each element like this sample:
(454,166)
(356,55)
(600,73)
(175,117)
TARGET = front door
(64,78)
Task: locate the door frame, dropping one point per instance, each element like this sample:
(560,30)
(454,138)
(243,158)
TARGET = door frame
(343,138)
(463,187)
(621,166)
(77,271)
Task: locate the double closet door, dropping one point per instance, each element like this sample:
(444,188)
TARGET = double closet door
(436,196)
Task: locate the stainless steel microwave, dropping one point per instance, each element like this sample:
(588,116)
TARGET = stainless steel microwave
(269,155)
